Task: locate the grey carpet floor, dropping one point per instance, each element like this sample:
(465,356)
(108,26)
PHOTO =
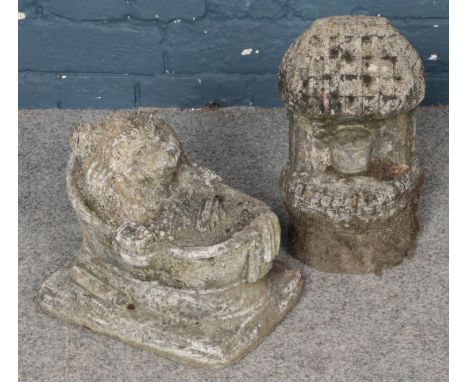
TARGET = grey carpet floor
(392,327)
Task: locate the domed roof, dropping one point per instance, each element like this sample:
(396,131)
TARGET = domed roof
(351,67)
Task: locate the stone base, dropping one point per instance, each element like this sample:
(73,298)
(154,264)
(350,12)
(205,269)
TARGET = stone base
(207,328)
(356,247)
(353,224)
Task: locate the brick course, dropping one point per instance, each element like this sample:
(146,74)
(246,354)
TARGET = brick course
(126,53)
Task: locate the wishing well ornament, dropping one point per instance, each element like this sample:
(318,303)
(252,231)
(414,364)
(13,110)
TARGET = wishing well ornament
(173,260)
(351,85)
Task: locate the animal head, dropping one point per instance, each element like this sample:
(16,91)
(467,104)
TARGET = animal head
(137,149)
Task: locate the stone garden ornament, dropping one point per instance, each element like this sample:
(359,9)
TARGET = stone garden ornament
(351,85)
(173,260)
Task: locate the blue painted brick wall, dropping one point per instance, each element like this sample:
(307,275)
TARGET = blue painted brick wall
(127,53)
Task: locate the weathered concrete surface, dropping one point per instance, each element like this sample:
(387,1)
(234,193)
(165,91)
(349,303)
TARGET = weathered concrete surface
(351,185)
(344,328)
(172,260)
(351,67)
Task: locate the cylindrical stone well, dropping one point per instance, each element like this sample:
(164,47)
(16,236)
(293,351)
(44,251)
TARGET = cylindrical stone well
(351,85)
